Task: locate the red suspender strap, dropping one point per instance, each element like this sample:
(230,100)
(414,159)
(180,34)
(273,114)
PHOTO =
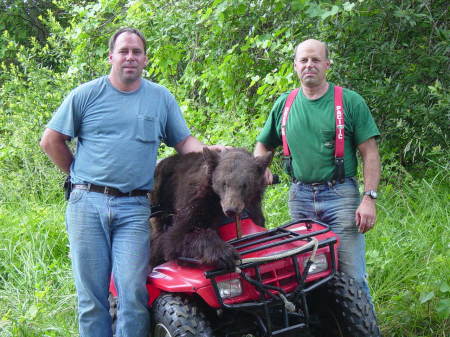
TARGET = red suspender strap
(287,107)
(339,118)
(340,131)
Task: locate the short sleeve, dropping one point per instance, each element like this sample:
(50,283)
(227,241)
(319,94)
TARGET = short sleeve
(365,126)
(176,129)
(270,135)
(66,119)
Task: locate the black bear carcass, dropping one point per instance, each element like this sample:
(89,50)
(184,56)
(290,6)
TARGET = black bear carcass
(196,190)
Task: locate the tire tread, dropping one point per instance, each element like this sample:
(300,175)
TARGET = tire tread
(182,316)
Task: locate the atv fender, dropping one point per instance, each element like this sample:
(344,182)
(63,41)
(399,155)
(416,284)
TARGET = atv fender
(170,277)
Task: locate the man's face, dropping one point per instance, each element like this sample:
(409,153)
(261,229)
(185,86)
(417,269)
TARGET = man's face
(311,63)
(128,58)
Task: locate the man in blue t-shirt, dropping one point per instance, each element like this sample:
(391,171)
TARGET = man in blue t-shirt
(119,121)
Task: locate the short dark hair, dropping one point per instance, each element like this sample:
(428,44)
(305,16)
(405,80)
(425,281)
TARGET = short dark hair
(112,40)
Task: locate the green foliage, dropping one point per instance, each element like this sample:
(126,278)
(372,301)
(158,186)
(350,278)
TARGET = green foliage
(407,253)
(27,100)
(227,61)
(396,56)
(22,20)
(36,289)
(408,256)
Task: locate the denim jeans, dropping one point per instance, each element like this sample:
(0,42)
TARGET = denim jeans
(107,234)
(336,206)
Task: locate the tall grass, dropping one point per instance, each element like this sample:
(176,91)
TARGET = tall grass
(36,290)
(408,254)
(408,257)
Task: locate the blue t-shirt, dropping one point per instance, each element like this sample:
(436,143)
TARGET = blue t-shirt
(118,132)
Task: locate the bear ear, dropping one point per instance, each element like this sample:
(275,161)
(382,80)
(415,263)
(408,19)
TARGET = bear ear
(263,161)
(211,158)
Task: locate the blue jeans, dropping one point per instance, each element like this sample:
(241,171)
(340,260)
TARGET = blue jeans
(107,234)
(336,206)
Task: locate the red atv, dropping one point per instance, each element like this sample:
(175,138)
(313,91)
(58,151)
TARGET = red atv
(286,284)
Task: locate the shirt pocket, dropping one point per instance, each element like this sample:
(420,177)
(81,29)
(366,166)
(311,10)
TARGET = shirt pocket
(328,139)
(146,128)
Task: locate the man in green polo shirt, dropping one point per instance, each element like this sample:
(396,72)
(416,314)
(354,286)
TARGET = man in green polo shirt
(310,132)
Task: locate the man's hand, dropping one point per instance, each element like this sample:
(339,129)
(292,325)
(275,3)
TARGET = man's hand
(268,177)
(365,216)
(192,144)
(219,147)
(260,150)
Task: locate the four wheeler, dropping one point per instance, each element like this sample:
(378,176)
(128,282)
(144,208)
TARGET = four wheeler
(286,284)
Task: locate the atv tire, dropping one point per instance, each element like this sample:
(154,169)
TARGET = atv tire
(343,310)
(174,316)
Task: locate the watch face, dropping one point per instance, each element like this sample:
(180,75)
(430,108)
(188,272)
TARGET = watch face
(373,194)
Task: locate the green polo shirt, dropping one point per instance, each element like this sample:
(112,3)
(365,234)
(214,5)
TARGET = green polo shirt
(310,133)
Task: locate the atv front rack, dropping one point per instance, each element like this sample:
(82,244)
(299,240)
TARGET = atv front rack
(281,290)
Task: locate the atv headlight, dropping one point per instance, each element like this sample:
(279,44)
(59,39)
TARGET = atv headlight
(230,288)
(320,264)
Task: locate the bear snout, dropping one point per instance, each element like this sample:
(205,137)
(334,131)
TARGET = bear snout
(230,212)
(232,209)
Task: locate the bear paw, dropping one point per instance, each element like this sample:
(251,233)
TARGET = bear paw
(224,258)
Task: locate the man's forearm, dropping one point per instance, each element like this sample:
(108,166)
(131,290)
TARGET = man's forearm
(371,174)
(371,164)
(61,156)
(189,144)
(54,145)
(371,171)
(192,144)
(365,216)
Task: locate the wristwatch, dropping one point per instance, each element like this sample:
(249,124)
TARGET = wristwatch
(371,193)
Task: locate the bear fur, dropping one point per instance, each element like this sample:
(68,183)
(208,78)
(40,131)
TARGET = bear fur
(196,190)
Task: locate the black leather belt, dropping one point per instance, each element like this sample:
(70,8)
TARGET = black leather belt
(328,183)
(109,190)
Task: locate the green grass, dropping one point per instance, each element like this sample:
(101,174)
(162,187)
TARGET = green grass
(408,257)
(36,290)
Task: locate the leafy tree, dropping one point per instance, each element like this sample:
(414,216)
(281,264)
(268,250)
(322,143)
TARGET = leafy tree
(396,55)
(22,21)
(227,61)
